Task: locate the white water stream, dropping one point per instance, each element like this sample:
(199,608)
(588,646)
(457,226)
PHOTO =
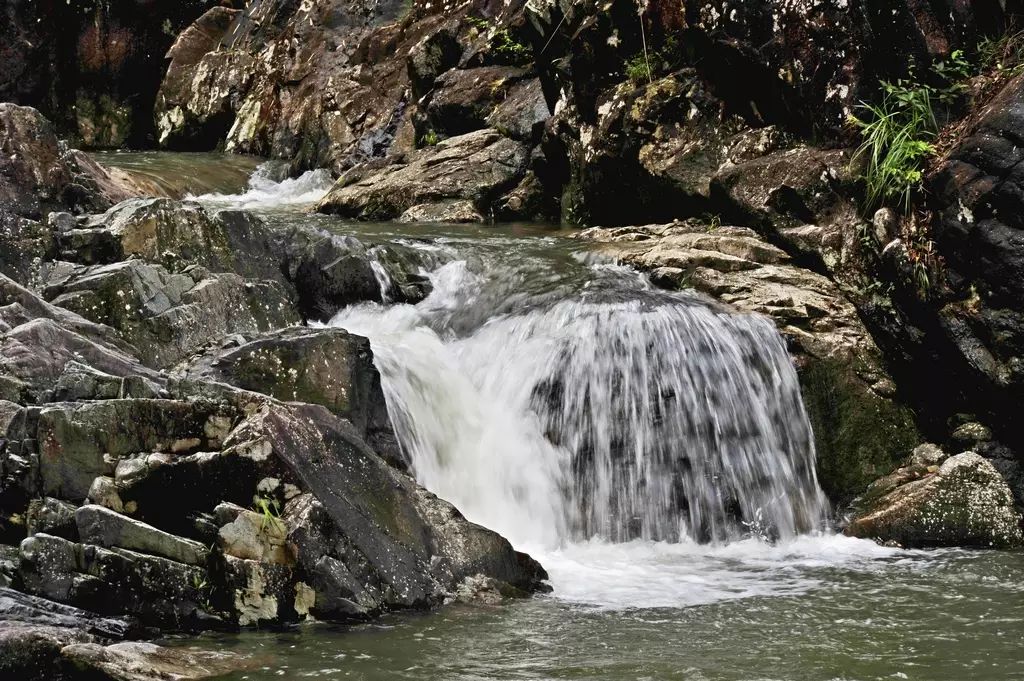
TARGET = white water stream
(650,449)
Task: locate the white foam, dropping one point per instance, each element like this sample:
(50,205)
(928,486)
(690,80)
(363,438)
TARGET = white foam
(642,574)
(264,192)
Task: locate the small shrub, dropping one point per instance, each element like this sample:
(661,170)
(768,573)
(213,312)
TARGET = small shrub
(430,139)
(1002,54)
(638,71)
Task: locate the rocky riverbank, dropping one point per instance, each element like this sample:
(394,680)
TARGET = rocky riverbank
(178,453)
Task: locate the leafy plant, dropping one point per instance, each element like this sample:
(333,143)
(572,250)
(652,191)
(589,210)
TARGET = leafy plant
(638,70)
(430,139)
(1002,54)
(502,42)
(897,137)
(270,510)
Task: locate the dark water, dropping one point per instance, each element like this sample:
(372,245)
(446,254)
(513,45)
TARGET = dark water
(948,616)
(814,607)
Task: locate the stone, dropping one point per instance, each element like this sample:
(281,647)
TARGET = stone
(254,536)
(964,501)
(142,661)
(475,167)
(157,591)
(103,492)
(38,174)
(103,527)
(167,317)
(326,366)
(52,516)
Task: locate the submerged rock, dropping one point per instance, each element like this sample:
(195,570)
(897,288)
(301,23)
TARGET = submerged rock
(940,500)
(138,661)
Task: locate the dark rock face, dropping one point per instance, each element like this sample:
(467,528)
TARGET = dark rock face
(38,173)
(980,237)
(92,68)
(329,367)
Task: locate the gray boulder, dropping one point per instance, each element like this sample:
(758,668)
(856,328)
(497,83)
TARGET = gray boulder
(936,500)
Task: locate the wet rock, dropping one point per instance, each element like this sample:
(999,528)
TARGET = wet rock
(366,543)
(976,308)
(37,354)
(140,661)
(849,395)
(330,367)
(330,272)
(24,244)
(254,536)
(31,652)
(962,501)
(159,592)
(476,167)
(299,84)
(79,442)
(801,197)
(39,174)
(32,610)
(466,100)
(459,212)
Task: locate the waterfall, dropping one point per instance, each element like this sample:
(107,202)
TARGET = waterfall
(596,408)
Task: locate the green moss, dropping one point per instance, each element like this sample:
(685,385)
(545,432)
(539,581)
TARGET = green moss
(859,436)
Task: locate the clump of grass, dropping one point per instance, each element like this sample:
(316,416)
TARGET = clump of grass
(1002,54)
(897,138)
(430,139)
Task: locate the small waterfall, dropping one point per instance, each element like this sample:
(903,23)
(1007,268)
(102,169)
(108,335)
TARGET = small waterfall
(614,411)
(270,188)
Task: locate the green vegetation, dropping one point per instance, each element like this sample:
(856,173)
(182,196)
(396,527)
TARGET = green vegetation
(270,510)
(502,42)
(430,139)
(645,65)
(897,138)
(1003,54)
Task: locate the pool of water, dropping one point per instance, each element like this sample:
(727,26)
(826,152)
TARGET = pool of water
(833,609)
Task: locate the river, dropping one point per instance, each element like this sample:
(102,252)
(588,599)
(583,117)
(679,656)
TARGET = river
(650,449)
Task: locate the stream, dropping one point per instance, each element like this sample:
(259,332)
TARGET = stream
(650,449)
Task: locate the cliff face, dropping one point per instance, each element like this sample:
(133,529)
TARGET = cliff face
(91,66)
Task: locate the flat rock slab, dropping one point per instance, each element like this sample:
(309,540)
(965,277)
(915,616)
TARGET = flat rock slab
(103,527)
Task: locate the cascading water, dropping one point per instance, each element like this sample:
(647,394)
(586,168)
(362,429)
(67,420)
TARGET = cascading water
(591,405)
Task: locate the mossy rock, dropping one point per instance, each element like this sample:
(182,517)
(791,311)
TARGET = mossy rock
(860,436)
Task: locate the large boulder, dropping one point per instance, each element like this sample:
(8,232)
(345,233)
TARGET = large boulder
(38,173)
(940,500)
(326,366)
(477,167)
